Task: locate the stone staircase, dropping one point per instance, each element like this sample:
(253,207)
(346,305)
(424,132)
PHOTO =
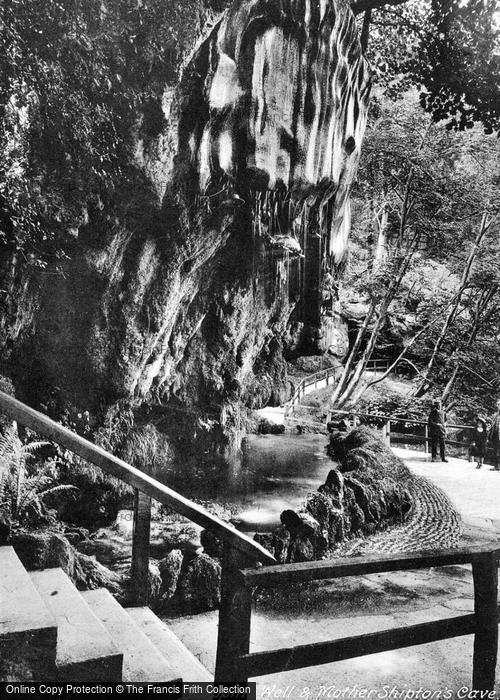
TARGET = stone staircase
(51,631)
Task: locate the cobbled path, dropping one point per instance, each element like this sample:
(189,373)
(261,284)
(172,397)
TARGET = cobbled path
(432,522)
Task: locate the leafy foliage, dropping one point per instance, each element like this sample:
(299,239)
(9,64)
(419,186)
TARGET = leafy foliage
(449,49)
(77,81)
(23,490)
(418,179)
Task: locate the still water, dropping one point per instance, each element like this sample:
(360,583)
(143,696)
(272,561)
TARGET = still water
(274,472)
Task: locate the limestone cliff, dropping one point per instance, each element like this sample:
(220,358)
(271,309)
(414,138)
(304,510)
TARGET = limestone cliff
(217,247)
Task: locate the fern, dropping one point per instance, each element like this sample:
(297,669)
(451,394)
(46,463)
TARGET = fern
(18,489)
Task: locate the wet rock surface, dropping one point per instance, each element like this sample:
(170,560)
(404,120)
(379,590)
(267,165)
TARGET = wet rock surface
(204,259)
(199,587)
(170,569)
(370,490)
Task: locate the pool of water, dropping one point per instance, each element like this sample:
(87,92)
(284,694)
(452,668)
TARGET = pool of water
(273,472)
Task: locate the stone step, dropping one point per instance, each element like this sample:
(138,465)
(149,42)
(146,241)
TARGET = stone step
(28,631)
(142,661)
(166,641)
(85,650)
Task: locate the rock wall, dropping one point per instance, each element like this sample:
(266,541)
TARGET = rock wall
(216,249)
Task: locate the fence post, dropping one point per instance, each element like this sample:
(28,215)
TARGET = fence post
(426,439)
(485,576)
(235,610)
(388,433)
(140,548)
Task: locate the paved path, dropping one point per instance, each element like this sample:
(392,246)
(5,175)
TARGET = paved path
(276,414)
(475,493)
(432,522)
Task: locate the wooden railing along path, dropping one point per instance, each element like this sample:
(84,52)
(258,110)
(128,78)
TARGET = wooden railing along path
(234,662)
(239,550)
(390,435)
(483,623)
(329,376)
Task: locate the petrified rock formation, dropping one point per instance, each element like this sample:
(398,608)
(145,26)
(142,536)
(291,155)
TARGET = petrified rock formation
(368,491)
(272,127)
(45,549)
(218,247)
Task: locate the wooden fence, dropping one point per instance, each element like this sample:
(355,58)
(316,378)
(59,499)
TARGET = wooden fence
(234,662)
(329,376)
(391,427)
(239,550)
(483,623)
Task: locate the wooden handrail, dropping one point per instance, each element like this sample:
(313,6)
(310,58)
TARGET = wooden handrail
(286,659)
(397,419)
(309,381)
(358,566)
(131,475)
(483,623)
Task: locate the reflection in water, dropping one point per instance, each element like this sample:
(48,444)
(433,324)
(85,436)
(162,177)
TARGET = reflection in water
(274,472)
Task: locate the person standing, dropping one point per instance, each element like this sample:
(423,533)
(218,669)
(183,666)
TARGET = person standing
(480,438)
(437,431)
(495,438)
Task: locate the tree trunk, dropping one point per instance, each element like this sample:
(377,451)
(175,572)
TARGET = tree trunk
(486,297)
(450,317)
(350,361)
(352,382)
(381,251)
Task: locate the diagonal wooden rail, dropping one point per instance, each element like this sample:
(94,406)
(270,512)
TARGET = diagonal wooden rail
(234,662)
(328,375)
(239,550)
(134,477)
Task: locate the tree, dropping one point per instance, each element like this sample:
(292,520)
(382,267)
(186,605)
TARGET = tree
(77,80)
(462,356)
(449,49)
(421,189)
(485,224)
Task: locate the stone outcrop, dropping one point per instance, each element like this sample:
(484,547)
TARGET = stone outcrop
(170,568)
(45,549)
(199,587)
(369,490)
(178,291)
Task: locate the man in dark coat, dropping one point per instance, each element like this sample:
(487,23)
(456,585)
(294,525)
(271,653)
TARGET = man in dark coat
(437,431)
(495,438)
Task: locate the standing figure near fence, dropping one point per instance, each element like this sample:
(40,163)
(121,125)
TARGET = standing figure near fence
(479,441)
(437,431)
(495,438)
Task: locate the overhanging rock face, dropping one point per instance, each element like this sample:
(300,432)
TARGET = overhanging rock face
(216,251)
(273,116)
